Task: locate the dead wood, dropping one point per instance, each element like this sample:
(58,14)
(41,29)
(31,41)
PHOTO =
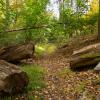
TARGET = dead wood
(15,53)
(12,79)
(87,56)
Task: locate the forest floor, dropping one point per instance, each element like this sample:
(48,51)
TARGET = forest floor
(64,84)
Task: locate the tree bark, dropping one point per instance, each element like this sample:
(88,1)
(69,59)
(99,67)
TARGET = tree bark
(99,22)
(18,52)
(85,61)
(94,48)
(12,79)
(89,55)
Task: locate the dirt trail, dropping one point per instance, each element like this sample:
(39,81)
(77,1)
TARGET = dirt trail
(64,84)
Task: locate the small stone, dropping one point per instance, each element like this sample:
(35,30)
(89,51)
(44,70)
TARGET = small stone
(97,68)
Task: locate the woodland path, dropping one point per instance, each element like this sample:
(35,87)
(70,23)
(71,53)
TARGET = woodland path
(64,84)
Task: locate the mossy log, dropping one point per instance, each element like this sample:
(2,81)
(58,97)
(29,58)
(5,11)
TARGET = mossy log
(12,79)
(85,57)
(94,48)
(80,62)
(15,53)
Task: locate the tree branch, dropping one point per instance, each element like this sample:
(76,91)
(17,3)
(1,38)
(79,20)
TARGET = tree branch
(23,29)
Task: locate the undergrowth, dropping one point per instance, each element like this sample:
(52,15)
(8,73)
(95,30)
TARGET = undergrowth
(36,75)
(42,49)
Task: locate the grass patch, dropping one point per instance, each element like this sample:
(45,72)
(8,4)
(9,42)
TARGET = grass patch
(36,76)
(62,73)
(42,49)
(80,87)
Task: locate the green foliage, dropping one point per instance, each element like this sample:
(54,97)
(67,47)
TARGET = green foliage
(34,15)
(77,17)
(80,87)
(26,14)
(42,49)
(36,75)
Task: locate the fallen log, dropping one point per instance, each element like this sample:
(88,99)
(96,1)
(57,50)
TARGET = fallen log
(95,48)
(12,79)
(84,62)
(85,57)
(15,53)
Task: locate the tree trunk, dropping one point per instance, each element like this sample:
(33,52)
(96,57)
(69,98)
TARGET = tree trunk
(12,79)
(99,22)
(86,56)
(85,61)
(17,52)
(94,48)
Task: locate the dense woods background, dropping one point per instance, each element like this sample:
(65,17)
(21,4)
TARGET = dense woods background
(25,20)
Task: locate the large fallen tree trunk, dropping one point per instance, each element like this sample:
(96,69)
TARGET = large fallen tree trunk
(85,61)
(12,79)
(17,52)
(95,48)
(86,56)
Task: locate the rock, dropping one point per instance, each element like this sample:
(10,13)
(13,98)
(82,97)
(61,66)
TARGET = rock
(97,68)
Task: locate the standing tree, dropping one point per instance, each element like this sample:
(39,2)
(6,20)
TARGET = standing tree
(7,15)
(99,22)
(33,15)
